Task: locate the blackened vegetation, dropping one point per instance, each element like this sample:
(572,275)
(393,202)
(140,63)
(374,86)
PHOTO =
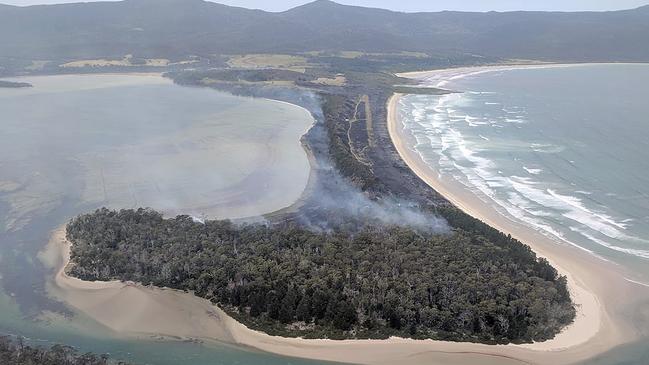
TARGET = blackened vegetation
(379,282)
(338,110)
(392,177)
(389,176)
(18,353)
(363,254)
(334,201)
(418,90)
(238,75)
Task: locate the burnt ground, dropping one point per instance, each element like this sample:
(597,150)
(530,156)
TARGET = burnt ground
(351,152)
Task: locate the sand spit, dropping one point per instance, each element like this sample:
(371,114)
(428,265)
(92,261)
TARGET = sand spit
(136,311)
(127,308)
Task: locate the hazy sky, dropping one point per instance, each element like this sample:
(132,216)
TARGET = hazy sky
(423,5)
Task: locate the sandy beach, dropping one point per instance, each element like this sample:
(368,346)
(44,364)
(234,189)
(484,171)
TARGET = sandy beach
(136,311)
(132,310)
(595,284)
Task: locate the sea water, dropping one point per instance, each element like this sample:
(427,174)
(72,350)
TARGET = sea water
(72,144)
(563,149)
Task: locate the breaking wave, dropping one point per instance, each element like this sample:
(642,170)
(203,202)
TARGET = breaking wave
(453,138)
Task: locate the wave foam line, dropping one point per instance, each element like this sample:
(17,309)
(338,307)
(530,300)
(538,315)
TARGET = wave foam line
(637,282)
(629,251)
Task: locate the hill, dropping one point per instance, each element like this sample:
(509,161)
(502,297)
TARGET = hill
(177,28)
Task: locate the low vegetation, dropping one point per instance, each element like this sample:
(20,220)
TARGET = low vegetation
(336,123)
(231,75)
(420,90)
(18,353)
(262,61)
(375,283)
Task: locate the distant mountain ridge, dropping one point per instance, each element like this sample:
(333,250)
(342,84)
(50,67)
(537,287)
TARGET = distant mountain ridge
(175,28)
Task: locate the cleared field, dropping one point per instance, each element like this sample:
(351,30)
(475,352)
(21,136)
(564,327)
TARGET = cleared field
(339,80)
(278,61)
(359,54)
(208,81)
(127,61)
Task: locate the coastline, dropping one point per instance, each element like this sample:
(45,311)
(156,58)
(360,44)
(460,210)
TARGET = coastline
(594,284)
(133,310)
(589,313)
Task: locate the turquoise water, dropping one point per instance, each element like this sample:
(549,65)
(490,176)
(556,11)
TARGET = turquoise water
(563,149)
(75,143)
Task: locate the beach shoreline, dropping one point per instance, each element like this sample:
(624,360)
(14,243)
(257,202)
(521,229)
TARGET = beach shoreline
(593,282)
(440,78)
(133,310)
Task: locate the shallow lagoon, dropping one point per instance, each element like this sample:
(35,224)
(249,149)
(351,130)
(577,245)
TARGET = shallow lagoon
(75,143)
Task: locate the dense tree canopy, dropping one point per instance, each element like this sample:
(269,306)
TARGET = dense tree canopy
(375,283)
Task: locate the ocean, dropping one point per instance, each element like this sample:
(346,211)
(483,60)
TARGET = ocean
(564,150)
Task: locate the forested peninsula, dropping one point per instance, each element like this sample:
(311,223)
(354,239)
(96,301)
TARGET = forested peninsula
(373,283)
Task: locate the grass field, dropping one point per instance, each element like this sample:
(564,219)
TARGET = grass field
(277,61)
